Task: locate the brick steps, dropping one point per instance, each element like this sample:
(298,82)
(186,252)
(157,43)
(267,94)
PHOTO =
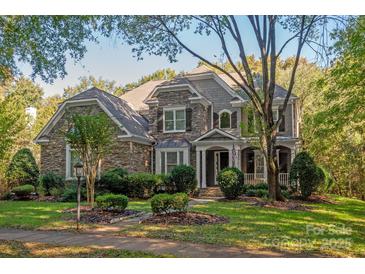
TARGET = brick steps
(210,192)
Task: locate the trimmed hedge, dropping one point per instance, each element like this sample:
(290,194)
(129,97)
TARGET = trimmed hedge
(114,202)
(112,181)
(136,185)
(230,181)
(165,203)
(184,178)
(23,191)
(141,184)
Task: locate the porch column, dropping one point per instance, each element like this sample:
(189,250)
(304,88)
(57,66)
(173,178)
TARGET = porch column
(204,169)
(198,167)
(292,154)
(230,157)
(237,159)
(158,161)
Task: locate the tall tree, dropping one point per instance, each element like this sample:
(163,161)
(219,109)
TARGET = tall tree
(90,136)
(161,35)
(43,42)
(112,87)
(91,81)
(334,129)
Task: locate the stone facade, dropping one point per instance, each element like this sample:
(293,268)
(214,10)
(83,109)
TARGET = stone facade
(176,99)
(129,155)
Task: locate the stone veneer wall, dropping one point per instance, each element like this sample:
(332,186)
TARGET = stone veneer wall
(176,99)
(134,157)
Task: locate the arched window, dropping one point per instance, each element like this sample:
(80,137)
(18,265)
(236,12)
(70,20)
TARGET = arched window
(225,119)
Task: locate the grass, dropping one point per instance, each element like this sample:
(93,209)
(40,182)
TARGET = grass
(45,215)
(336,230)
(16,249)
(342,223)
(33,214)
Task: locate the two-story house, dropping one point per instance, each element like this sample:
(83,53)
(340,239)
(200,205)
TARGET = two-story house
(200,119)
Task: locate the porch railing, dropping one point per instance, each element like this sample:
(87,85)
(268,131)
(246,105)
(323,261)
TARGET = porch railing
(256,178)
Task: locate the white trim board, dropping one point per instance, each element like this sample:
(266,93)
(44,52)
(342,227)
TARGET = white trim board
(61,110)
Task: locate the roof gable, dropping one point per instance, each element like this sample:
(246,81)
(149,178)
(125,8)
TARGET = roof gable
(116,108)
(215,134)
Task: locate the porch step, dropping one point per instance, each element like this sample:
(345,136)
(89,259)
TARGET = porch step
(210,192)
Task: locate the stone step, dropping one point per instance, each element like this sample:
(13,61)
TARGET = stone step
(210,192)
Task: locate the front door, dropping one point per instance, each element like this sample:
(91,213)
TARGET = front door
(221,161)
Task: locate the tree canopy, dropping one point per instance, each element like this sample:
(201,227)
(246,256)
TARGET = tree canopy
(43,42)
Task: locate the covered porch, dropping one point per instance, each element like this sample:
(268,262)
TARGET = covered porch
(217,150)
(254,167)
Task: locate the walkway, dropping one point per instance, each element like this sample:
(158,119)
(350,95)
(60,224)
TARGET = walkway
(157,246)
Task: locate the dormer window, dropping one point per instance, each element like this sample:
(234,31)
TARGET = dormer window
(225,119)
(174,119)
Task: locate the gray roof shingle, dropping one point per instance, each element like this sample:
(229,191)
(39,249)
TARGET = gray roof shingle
(129,118)
(173,143)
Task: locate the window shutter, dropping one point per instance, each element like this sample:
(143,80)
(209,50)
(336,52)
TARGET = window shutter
(215,120)
(188,118)
(282,124)
(159,120)
(234,120)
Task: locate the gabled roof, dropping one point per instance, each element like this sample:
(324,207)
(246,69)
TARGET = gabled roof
(215,133)
(118,110)
(135,97)
(279,92)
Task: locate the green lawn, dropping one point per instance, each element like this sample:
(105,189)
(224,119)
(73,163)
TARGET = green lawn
(256,227)
(16,249)
(32,214)
(44,215)
(249,226)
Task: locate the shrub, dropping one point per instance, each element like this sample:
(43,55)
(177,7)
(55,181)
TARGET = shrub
(183,178)
(22,169)
(180,202)
(230,181)
(261,186)
(251,192)
(50,180)
(262,193)
(56,192)
(164,203)
(115,202)
(23,191)
(141,184)
(70,192)
(305,172)
(112,180)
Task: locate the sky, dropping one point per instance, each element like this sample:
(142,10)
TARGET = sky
(113,60)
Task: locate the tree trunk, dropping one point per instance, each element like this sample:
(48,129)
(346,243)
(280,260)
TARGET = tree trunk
(272,168)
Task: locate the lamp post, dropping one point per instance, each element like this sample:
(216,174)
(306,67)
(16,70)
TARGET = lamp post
(79,171)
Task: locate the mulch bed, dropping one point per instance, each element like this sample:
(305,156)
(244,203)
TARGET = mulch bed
(97,216)
(287,205)
(185,218)
(292,204)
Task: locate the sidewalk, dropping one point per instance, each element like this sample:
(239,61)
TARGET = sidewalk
(157,246)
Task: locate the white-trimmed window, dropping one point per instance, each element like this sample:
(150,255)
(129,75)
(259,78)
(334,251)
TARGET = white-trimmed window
(174,119)
(169,158)
(225,119)
(275,114)
(71,159)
